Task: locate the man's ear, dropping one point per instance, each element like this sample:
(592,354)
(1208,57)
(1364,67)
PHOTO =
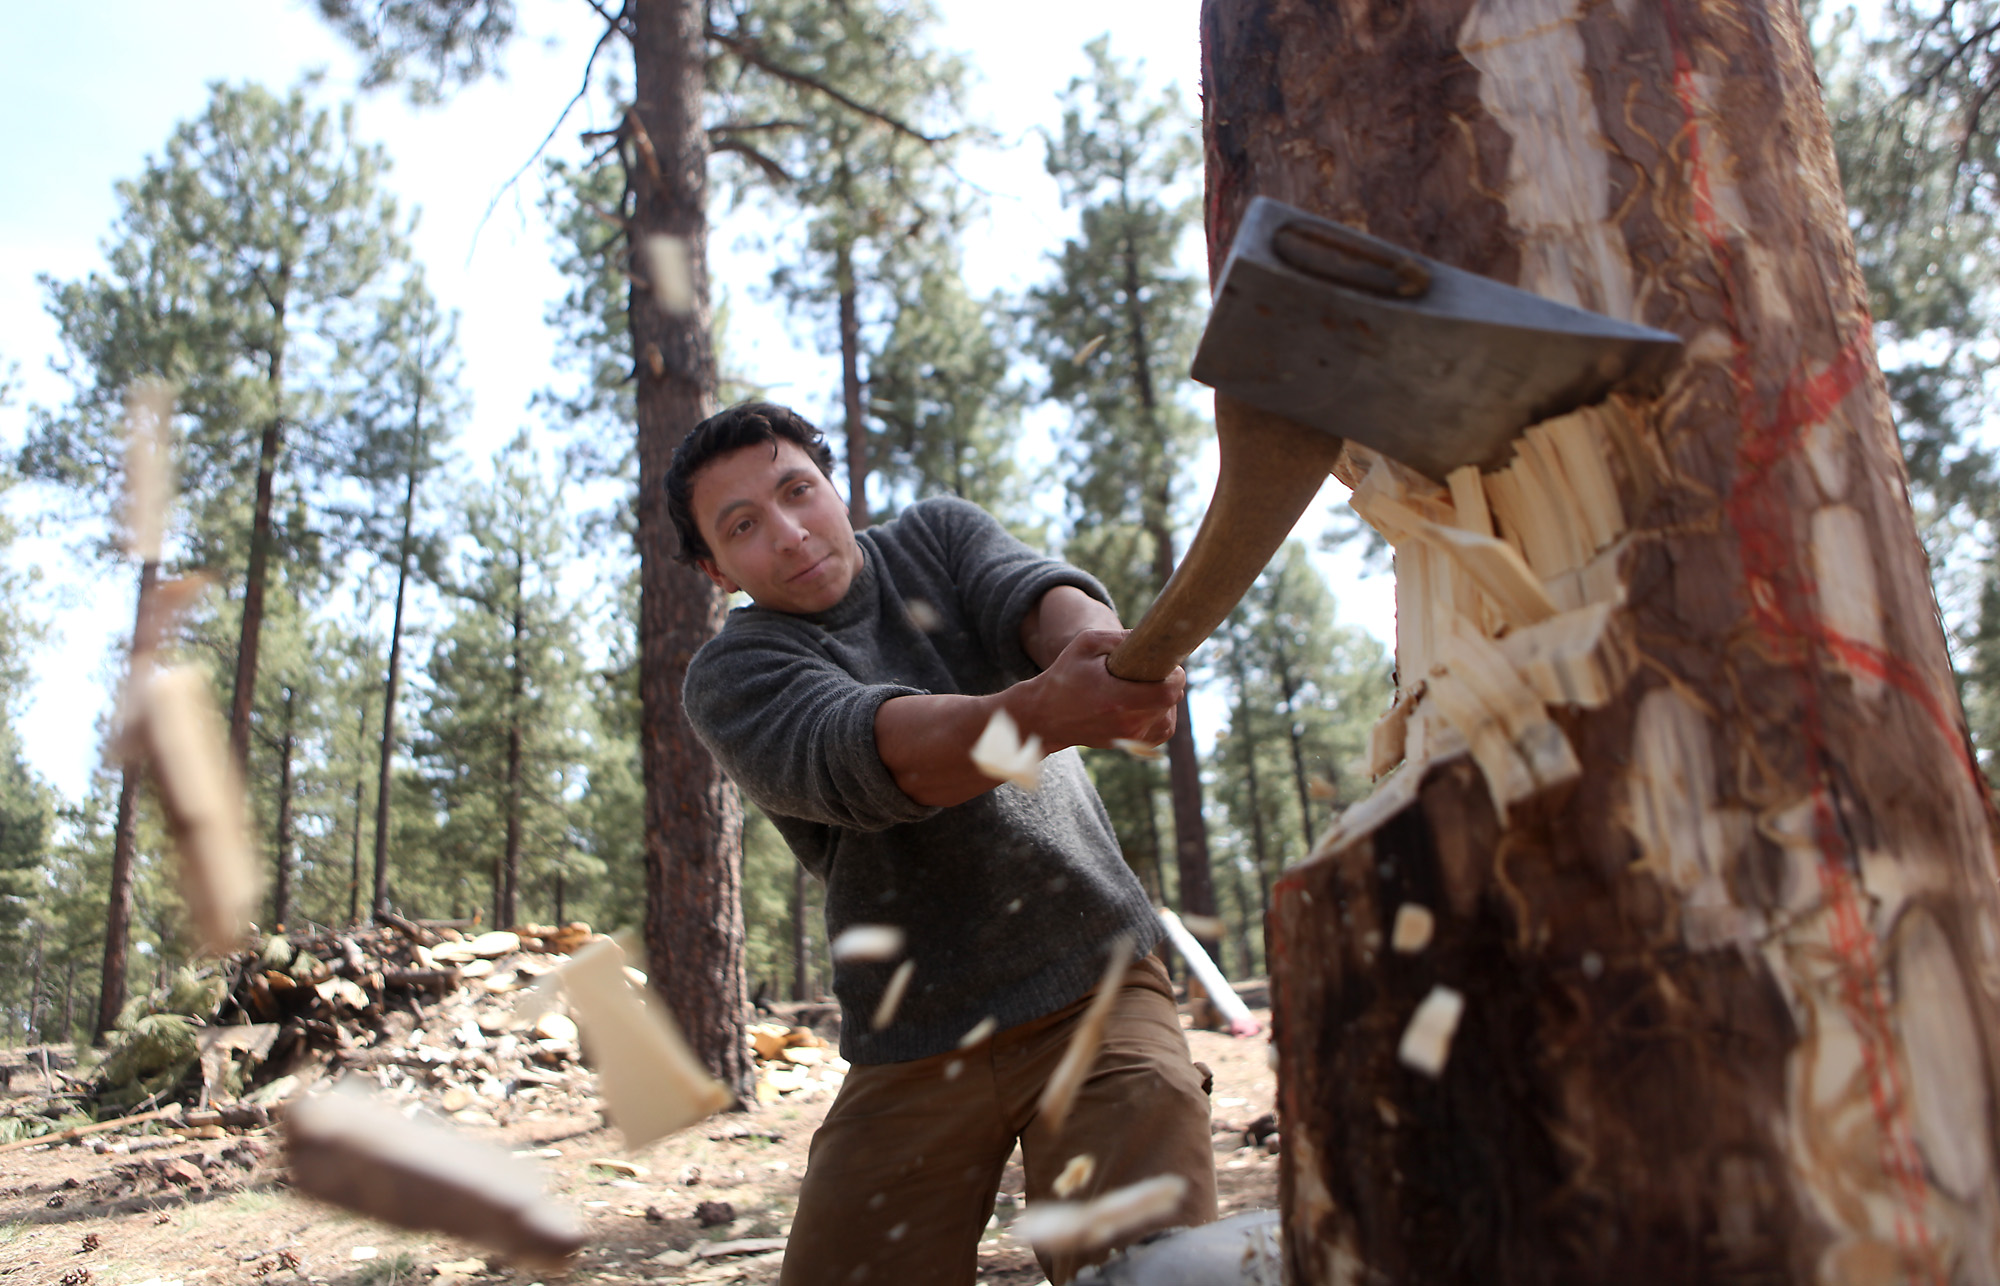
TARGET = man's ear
(722,582)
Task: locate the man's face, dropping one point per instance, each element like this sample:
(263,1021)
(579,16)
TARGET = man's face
(776,528)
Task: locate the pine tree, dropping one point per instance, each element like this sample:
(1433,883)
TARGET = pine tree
(864,183)
(500,740)
(1114,329)
(404,410)
(1303,694)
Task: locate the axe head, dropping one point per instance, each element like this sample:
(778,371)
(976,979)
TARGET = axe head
(1428,364)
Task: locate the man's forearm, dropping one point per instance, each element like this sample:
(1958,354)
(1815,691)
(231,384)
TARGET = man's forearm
(1059,616)
(926,744)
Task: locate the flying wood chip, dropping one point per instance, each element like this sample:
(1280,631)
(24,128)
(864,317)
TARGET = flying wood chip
(868,942)
(1059,1095)
(149,484)
(653,1084)
(668,265)
(1001,754)
(1065,1227)
(1075,1174)
(202,798)
(1426,1044)
(1414,926)
(365,1156)
(892,995)
(1136,749)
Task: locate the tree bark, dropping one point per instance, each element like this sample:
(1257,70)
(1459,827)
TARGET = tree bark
(1729,993)
(694,821)
(281,887)
(510,869)
(850,387)
(379,902)
(801,937)
(269,445)
(118,893)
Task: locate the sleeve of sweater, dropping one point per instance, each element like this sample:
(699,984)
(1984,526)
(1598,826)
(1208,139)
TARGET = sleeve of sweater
(998,578)
(794,731)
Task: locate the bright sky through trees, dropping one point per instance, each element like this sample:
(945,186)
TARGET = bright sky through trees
(86,113)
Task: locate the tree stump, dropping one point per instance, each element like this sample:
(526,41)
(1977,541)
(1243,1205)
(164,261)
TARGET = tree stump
(1708,859)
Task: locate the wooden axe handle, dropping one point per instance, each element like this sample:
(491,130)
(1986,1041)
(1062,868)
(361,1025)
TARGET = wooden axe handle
(1270,470)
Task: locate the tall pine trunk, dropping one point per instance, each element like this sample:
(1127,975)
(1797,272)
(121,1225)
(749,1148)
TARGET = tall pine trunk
(1729,999)
(850,387)
(118,892)
(281,887)
(379,902)
(269,446)
(801,937)
(694,821)
(510,870)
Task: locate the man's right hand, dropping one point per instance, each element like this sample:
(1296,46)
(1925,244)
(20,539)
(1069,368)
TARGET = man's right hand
(1077,701)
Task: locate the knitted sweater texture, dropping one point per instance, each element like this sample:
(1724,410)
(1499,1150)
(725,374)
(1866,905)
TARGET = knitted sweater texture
(1007,901)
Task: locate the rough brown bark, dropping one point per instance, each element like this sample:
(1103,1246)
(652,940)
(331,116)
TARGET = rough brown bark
(507,891)
(1729,1001)
(694,821)
(379,901)
(281,887)
(118,895)
(269,445)
(850,388)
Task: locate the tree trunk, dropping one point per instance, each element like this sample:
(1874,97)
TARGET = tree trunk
(801,937)
(281,887)
(379,902)
(269,446)
(118,894)
(1729,973)
(694,821)
(850,388)
(35,983)
(354,858)
(510,867)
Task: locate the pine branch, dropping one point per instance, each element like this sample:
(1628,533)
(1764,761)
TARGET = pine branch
(752,52)
(771,168)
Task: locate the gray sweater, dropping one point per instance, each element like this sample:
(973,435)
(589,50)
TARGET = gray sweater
(1007,900)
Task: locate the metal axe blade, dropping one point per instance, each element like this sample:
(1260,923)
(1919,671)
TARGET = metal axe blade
(1426,363)
(1321,333)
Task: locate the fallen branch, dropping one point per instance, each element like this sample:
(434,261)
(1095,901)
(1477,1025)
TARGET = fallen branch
(78,1131)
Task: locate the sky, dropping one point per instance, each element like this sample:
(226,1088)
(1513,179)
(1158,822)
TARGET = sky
(85,113)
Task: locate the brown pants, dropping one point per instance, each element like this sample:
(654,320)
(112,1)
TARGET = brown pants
(902,1176)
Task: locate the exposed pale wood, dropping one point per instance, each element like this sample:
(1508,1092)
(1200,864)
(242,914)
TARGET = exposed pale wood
(1269,471)
(1580,658)
(1579,440)
(1492,565)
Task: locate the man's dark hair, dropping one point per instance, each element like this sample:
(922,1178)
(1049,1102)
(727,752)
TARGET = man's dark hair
(743,425)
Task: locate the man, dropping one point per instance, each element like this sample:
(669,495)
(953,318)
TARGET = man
(845,701)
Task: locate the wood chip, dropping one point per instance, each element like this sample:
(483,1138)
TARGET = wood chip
(202,797)
(1059,1094)
(1426,1043)
(671,269)
(362,1155)
(1063,1227)
(1075,1175)
(1002,755)
(1414,926)
(149,484)
(868,942)
(982,1029)
(1089,350)
(892,995)
(652,1083)
(1137,749)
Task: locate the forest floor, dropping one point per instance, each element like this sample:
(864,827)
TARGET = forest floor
(178,1209)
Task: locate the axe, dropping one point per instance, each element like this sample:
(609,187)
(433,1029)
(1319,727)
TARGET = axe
(1320,333)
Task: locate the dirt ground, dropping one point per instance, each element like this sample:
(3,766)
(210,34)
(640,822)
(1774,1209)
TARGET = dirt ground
(165,1209)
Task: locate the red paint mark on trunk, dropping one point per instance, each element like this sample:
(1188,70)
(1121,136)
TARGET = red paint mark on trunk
(1782,599)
